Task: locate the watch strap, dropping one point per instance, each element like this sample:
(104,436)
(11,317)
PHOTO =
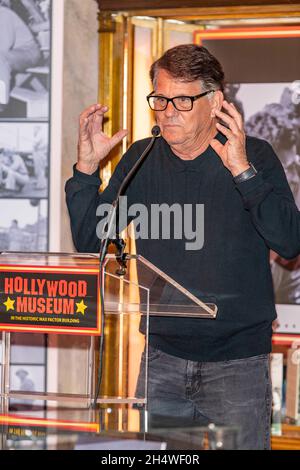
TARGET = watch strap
(246,175)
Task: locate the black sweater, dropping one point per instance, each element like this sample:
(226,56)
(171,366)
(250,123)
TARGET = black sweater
(241,223)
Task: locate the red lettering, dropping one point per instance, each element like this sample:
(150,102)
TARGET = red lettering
(18,284)
(49,306)
(21,304)
(63,288)
(72,289)
(33,287)
(68,306)
(52,288)
(8,285)
(57,306)
(31,305)
(82,288)
(40,305)
(26,289)
(41,283)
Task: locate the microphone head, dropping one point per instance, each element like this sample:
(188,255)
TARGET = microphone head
(155,131)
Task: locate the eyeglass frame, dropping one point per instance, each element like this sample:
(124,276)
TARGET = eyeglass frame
(192,98)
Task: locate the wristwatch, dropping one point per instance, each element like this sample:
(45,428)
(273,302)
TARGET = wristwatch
(245,175)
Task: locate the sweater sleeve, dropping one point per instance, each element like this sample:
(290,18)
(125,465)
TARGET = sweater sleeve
(84,199)
(268,198)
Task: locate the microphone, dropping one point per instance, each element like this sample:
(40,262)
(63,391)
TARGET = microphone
(155,131)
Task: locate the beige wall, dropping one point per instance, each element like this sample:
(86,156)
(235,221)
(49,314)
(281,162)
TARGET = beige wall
(80,87)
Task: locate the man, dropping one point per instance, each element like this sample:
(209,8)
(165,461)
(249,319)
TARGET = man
(15,237)
(39,156)
(202,370)
(18,50)
(26,385)
(13,171)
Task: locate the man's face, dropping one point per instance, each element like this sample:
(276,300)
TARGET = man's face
(180,127)
(21,374)
(287,136)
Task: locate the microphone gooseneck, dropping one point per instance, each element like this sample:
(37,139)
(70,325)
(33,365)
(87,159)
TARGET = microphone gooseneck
(155,131)
(109,238)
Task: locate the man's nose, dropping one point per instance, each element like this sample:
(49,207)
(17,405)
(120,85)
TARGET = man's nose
(170,109)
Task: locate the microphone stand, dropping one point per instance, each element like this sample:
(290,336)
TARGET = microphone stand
(120,244)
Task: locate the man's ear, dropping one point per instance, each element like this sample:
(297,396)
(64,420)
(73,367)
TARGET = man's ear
(216,102)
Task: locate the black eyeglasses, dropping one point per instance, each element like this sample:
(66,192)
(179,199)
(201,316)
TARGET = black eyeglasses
(181,103)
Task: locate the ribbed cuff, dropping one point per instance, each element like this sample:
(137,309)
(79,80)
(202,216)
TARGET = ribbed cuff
(254,190)
(93,179)
(252,184)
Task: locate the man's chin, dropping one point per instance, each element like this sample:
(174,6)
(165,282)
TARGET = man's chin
(173,136)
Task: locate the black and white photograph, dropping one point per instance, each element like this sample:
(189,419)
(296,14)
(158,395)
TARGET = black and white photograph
(23,160)
(27,378)
(275,117)
(25,38)
(268,97)
(24,225)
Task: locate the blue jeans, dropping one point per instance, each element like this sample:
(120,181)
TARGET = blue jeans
(228,393)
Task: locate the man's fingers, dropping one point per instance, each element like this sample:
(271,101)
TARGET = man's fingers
(118,137)
(88,111)
(234,113)
(228,119)
(97,121)
(83,127)
(91,110)
(91,119)
(227,132)
(217,146)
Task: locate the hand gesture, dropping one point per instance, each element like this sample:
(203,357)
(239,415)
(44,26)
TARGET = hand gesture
(233,152)
(93,144)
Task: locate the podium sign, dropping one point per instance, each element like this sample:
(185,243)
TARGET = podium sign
(58,293)
(49,298)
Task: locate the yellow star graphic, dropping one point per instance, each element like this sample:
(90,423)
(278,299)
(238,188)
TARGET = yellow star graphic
(81,307)
(9,304)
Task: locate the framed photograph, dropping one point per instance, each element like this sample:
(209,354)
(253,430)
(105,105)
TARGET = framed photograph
(24,225)
(24,164)
(267,94)
(25,59)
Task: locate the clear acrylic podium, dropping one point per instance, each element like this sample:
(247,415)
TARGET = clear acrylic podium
(130,301)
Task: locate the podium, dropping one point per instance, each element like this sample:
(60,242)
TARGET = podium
(58,294)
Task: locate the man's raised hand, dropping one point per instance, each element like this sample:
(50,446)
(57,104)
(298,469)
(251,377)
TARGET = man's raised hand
(93,144)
